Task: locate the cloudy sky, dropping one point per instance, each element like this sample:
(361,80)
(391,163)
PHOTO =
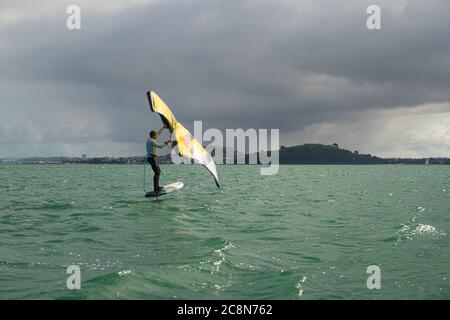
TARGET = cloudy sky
(308,67)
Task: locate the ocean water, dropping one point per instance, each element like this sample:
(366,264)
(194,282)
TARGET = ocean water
(309,232)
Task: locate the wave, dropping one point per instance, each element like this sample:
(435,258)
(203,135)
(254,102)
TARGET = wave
(412,231)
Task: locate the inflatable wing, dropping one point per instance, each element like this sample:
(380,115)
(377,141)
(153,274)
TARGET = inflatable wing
(187,145)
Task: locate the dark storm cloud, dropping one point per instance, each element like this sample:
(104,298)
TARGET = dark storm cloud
(261,64)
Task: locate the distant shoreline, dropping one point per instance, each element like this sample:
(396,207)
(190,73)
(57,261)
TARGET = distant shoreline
(307,154)
(219,164)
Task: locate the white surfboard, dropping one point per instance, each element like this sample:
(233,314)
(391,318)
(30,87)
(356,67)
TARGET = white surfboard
(166,190)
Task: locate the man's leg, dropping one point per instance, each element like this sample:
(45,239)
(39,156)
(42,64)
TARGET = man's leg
(156,177)
(156,171)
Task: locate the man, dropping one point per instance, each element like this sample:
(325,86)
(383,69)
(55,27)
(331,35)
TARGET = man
(152,153)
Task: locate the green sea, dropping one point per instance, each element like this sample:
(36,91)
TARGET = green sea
(309,232)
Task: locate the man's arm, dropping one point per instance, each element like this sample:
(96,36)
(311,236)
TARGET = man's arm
(160,131)
(159,145)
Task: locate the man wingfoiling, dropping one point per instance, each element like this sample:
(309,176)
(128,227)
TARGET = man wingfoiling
(152,154)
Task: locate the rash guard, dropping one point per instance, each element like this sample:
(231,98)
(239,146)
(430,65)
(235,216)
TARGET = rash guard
(153,145)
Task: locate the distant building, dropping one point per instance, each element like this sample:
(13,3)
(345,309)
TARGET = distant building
(84,156)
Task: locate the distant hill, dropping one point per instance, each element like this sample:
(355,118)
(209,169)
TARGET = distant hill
(332,154)
(316,154)
(325,154)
